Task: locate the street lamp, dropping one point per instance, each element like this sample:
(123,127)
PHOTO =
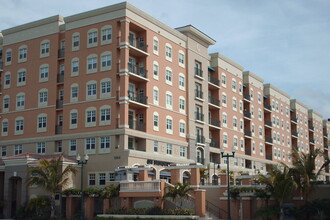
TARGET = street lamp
(227,155)
(82,163)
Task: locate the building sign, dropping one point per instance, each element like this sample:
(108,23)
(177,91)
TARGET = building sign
(157,162)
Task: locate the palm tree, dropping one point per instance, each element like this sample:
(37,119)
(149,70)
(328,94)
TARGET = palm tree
(305,173)
(279,182)
(52,176)
(109,192)
(179,190)
(204,174)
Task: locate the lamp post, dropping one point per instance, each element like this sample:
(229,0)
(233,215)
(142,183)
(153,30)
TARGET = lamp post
(82,163)
(227,155)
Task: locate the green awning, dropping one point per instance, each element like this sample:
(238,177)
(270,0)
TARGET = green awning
(210,68)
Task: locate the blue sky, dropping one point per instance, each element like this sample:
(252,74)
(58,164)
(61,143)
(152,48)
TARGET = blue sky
(286,42)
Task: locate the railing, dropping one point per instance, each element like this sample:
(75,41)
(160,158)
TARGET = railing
(311,127)
(140,98)
(248,133)
(248,151)
(198,72)
(247,114)
(269,156)
(61,53)
(1,65)
(198,93)
(59,103)
(294,119)
(312,141)
(214,101)
(138,43)
(140,186)
(199,116)
(214,80)
(214,143)
(269,139)
(60,78)
(326,146)
(294,133)
(58,129)
(267,106)
(268,123)
(214,122)
(200,139)
(247,96)
(137,125)
(140,71)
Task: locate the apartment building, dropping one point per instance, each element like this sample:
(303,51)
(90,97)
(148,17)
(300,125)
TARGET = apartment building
(129,91)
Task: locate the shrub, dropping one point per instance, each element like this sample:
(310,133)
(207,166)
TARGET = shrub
(93,192)
(151,211)
(71,191)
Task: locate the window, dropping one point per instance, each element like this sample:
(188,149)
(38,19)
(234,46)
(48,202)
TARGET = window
(8,56)
(91,89)
(105,114)
(106,61)
(169,100)
(242,144)
(225,140)
(20,101)
(260,131)
(182,104)
(5,103)
(251,94)
(169,125)
(92,38)
(75,66)
(91,116)
(168,75)
(235,143)
(169,149)
(199,113)
(240,87)
(259,114)
(3,151)
(155,146)
(181,58)
(224,99)
(101,179)
(181,81)
(4,127)
(44,72)
(18,149)
(44,48)
(106,34)
(156,121)
(223,80)
(259,97)
(182,151)
(21,77)
(156,70)
(74,92)
(234,104)
(7,80)
(182,128)
(43,96)
(91,63)
(168,52)
(90,144)
(235,123)
(75,41)
(112,176)
(42,121)
(156,45)
(233,85)
(73,145)
(105,88)
(41,147)
(91,179)
(105,142)
(73,118)
(240,106)
(22,53)
(224,119)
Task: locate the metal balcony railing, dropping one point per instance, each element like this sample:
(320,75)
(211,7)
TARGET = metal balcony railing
(140,71)
(137,125)
(199,94)
(59,103)
(248,133)
(60,78)
(294,133)
(267,106)
(214,143)
(200,139)
(247,114)
(247,96)
(214,80)
(310,127)
(138,43)
(248,151)
(269,156)
(214,101)
(214,122)
(61,53)
(199,116)
(294,119)
(269,139)
(198,72)
(140,98)
(268,123)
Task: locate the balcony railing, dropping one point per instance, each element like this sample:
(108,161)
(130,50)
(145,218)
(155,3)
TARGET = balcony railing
(137,125)
(214,143)
(312,141)
(326,146)
(269,156)
(311,127)
(140,186)
(267,106)
(200,160)
(248,151)
(269,139)
(294,119)
(214,80)
(198,93)
(247,114)
(294,133)
(1,65)
(60,78)
(58,129)
(214,122)
(140,71)
(59,103)
(199,116)
(198,72)
(214,101)
(268,123)
(140,98)
(200,139)
(247,96)
(138,43)
(61,53)
(248,133)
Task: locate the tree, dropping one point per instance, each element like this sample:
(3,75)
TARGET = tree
(304,170)
(204,174)
(179,190)
(110,191)
(279,182)
(52,176)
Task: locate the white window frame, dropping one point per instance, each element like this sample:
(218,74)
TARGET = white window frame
(44,48)
(168,52)
(44,73)
(169,125)
(90,117)
(105,115)
(155,45)
(106,35)
(92,38)
(75,41)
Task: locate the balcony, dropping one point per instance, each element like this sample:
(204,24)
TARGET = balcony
(268,123)
(60,78)
(138,44)
(59,104)
(61,53)
(267,107)
(137,125)
(295,120)
(326,146)
(140,186)
(310,127)
(215,122)
(198,72)
(58,129)
(137,71)
(247,151)
(214,80)
(269,157)
(294,133)
(140,99)
(326,135)
(200,139)
(247,133)
(199,116)
(214,143)
(247,97)
(1,66)
(312,141)
(214,101)
(269,140)
(198,94)
(247,114)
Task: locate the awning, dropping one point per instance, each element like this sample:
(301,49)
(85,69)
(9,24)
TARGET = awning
(266,97)
(210,68)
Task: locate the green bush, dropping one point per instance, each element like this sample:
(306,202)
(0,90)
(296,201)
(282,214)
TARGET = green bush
(151,211)
(71,191)
(37,208)
(93,191)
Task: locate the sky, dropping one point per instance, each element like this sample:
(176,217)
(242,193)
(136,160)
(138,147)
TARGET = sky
(285,42)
